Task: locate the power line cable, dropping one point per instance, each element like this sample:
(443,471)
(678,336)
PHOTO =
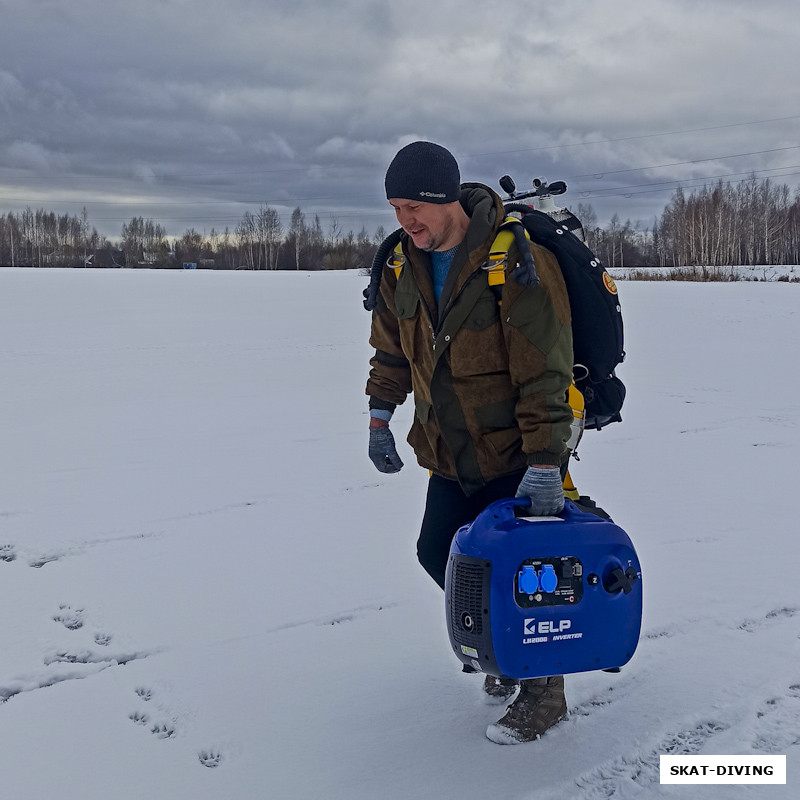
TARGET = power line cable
(682,163)
(683,181)
(345,168)
(633,138)
(628,194)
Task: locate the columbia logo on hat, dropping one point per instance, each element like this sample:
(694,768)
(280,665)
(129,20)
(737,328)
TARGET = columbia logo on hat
(424,169)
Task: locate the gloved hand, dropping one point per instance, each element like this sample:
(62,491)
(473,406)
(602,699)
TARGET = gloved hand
(382,451)
(543,485)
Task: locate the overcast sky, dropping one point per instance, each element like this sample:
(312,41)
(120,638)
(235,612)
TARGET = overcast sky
(191,112)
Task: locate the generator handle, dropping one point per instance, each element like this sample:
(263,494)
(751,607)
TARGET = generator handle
(506,510)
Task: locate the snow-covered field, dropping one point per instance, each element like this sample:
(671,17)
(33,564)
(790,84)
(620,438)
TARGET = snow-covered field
(208,592)
(761,272)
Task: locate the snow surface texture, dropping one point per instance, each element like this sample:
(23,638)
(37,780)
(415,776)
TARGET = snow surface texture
(762,272)
(209,592)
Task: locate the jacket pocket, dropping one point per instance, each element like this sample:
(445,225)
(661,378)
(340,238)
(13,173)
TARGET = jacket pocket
(501,414)
(507,446)
(500,432)
(406,303)
(484,313)
(407,308)
(424,436)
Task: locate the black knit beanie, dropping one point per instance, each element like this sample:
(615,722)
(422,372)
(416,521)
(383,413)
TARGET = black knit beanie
(423,171)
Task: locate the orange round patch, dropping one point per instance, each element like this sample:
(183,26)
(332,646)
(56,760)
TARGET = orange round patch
(609,282)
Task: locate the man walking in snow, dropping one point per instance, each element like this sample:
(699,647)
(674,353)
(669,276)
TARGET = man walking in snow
(489,380)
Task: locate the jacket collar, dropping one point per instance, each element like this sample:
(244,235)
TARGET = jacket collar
(484,208)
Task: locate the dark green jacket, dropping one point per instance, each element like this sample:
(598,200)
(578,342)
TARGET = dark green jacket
(489,381)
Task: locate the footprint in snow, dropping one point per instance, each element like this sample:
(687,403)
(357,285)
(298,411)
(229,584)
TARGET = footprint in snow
(7,553)
(163,731)
(139,718)
(778,723)
(210,758)
(70,657)
(38,563)
(144,693)
(70,618)
(777,615)
(640,766)
(103,639)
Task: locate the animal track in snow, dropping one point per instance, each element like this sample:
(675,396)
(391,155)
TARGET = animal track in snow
(7,553)
(690,741)
(168,729)
(659,633)
(144,693)
(38,563)
(210,758)
(53,555)
(335,619)
(103,639)
(163,731)
(778,723)
(70,618)
(783,613)
(776,615)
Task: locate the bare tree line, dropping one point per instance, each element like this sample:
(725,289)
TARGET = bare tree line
(33,236)
(747,223)
(258,242)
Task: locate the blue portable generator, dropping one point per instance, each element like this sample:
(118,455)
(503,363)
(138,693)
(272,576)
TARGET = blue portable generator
(529,597)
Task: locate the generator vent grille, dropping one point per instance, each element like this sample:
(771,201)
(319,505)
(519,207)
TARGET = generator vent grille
(468,579)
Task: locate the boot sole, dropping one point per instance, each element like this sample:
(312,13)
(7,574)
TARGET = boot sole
(499,734)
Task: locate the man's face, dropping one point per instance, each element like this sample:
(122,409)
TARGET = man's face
(431,226)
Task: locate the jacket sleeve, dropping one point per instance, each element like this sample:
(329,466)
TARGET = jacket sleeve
(389,381)
(538,333)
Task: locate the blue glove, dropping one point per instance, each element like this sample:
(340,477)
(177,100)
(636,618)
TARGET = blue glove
(382,451)
(545,489)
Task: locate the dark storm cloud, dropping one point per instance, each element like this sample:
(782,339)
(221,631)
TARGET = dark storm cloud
(192,112)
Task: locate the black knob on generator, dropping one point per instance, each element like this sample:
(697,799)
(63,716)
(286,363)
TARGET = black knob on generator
(620,581)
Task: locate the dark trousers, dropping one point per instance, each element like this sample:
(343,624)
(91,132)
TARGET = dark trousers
(447,508)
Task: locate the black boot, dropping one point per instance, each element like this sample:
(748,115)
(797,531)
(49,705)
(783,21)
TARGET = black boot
(540,704)
(499,690)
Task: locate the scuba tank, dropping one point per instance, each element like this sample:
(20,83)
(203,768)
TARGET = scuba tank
(543,192)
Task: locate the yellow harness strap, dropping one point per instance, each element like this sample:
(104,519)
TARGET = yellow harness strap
(570,492)
(397,259)
(498,253)
(496,275)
